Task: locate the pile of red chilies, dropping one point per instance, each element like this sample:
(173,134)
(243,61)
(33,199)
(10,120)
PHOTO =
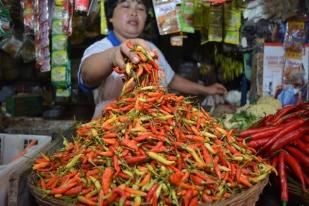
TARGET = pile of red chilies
(149,147)
(284,138)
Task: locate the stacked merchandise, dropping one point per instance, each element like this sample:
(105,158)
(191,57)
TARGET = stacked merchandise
(61,67)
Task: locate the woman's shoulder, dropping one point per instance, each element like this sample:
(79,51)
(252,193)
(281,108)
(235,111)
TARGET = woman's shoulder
(103,43)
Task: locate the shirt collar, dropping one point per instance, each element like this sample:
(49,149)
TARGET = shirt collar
(113,39)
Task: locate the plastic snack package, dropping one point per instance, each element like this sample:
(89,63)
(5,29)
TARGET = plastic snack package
(166,16)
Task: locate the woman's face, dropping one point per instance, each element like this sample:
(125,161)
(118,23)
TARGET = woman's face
(129,19)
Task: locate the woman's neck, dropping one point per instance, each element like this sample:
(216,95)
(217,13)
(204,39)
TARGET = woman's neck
(119,37)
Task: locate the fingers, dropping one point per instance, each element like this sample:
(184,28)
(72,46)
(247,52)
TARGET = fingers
(127,51)
(220,88)
(118,59)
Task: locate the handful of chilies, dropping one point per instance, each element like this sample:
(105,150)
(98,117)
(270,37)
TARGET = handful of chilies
(149,147)
(284,138)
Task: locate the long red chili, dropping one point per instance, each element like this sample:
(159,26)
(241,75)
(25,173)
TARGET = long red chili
(302,146)
(283,180)
(265,133)
(288,128)
(286,139)
(283,112)
(298,155)
(292,162)
(249,132)
(151,192)
(258,142)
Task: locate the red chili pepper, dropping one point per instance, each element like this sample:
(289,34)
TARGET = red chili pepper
(249,132)
(306,138)
(206,197)
(302,146)
(74,190)
(274,162)
(194,201)
(293,116)
(107,179)
(285,130)
(216,167)
(285,110)
(197,180)
(130,143)
(283,180)
(116,164)
(286,139)
(151,192)
(298,155)
(136,159)
(175,178)
(187,197)
(206,156)
(63,188)
(257,143)
(292,162)
(85,200)
(264,134)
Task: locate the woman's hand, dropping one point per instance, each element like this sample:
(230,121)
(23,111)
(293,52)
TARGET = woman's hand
(123,51)
(216,89)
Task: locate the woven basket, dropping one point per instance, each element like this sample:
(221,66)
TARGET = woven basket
(246,198)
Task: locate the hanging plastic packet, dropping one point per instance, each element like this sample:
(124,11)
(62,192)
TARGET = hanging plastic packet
(186,16)
(294,78)
(41,34)
(61,76)
(28,15)
(103,21)
(294,39)
(213,21)
(166,16)
(5,27)
(63,93)
(198,15)
(81,6)
(59,42)
(232,23)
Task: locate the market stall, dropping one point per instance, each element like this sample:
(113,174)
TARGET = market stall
(154,145)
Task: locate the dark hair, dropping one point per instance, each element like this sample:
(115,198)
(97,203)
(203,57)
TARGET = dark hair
(110,5)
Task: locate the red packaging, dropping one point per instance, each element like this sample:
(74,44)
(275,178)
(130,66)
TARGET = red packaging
(81,6)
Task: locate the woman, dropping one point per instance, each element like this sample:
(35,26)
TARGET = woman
(126,19)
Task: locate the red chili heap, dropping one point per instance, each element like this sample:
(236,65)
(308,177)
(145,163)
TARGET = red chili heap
(152,147)
(283,138)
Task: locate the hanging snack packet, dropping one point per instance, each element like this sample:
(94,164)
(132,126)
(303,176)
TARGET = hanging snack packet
(198,15)
(103,23)
(5,27)
(28,15)
(295,38)
(166,16)
(186,16)
(60,57)
(59,42)
(232,23)
(81,6)
(212,30)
